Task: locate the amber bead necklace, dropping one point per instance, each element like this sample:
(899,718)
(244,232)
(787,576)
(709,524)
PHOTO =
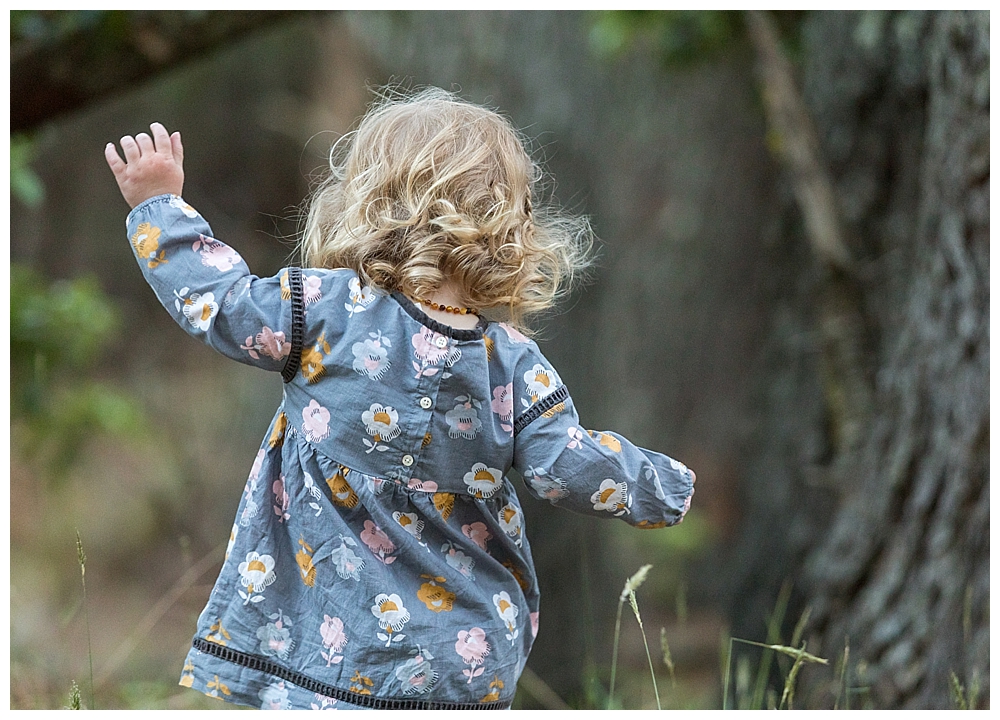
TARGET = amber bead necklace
(447,308)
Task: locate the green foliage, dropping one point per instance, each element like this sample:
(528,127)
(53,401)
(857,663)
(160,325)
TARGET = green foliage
(678,37)
(25,185)
(57,332)
(74,698)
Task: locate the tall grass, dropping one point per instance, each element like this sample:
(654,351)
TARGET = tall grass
(82,559)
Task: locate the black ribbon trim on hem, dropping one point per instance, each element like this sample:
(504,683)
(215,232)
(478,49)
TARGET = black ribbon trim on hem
(264,665)
(540,408)
(298,325)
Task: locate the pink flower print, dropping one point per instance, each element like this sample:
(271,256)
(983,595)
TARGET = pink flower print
(258,463)
(503,405)
(281,499)
(216,254)
(315,422)
(311,288)
(378,542)
(422,485)
(477,533)
(514,334)
(458,560)
(334,639)
(533,617)
(269,343)
(431,349)
(575,438)
(473,648)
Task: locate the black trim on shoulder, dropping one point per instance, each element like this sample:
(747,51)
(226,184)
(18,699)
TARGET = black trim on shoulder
(426,320)
(539,408)
(263,664)
(298,325)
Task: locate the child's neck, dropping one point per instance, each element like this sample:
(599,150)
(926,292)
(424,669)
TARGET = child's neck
(448,294)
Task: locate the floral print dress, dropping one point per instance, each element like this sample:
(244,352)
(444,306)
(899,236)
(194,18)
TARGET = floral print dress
(378,557)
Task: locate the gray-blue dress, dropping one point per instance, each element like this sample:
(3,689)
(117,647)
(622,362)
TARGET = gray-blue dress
(379,557)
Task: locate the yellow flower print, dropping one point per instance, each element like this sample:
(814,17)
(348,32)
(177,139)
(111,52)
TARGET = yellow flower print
(494,694)
(482,481)
(146,242)
(218,634)
(436,598)
(286,291)
(444,503)
(256,573)
(312,359)
(488,341)
(607,440)
(360,684)
(426,441)
(516,572)
(304,560)
(554,410)
(187,677)
(343,493)
(277,438)
(646,525)
(216,686)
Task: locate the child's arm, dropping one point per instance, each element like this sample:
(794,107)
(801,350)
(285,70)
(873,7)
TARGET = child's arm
(203,283)
(597,473)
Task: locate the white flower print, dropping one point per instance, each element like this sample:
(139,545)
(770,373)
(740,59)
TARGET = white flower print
(216,254)
(274,697)
(391,615)
(256,573)
(348,563)
(612,497)
(416,674)
(548,487)
(177,202)
(457,559)
(315,422)
(483,481)
(198,309)
(310,486)
(361,297)
(575,438)
(540,381)
(511,522)
(371,357)
(508,613)
(409,522)
(463,420)
(275,638)
(382,423)
(654,477)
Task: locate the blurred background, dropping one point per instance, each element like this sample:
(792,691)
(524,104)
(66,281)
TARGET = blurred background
(792,298)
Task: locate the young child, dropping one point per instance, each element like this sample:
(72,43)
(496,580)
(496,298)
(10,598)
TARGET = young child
(379,556)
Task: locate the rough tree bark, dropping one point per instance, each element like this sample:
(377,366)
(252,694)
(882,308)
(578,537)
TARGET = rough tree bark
(889,541)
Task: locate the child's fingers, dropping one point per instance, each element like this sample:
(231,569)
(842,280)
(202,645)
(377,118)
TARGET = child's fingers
(161,139)
(178,148)
(130,148)
(145,144)
(115,162)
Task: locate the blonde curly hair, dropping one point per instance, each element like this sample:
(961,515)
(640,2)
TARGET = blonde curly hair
(431,188)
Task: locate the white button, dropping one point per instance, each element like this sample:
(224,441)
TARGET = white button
(425,402)
(407,460)
(441,341)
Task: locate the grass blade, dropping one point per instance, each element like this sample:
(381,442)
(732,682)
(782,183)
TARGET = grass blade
(652,673)
(82,559)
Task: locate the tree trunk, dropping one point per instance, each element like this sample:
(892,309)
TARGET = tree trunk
(899,571)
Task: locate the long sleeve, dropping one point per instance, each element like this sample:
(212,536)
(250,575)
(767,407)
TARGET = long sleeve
(206,286)
(590,472)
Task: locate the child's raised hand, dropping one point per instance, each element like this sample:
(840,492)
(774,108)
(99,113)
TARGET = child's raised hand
(152,166)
